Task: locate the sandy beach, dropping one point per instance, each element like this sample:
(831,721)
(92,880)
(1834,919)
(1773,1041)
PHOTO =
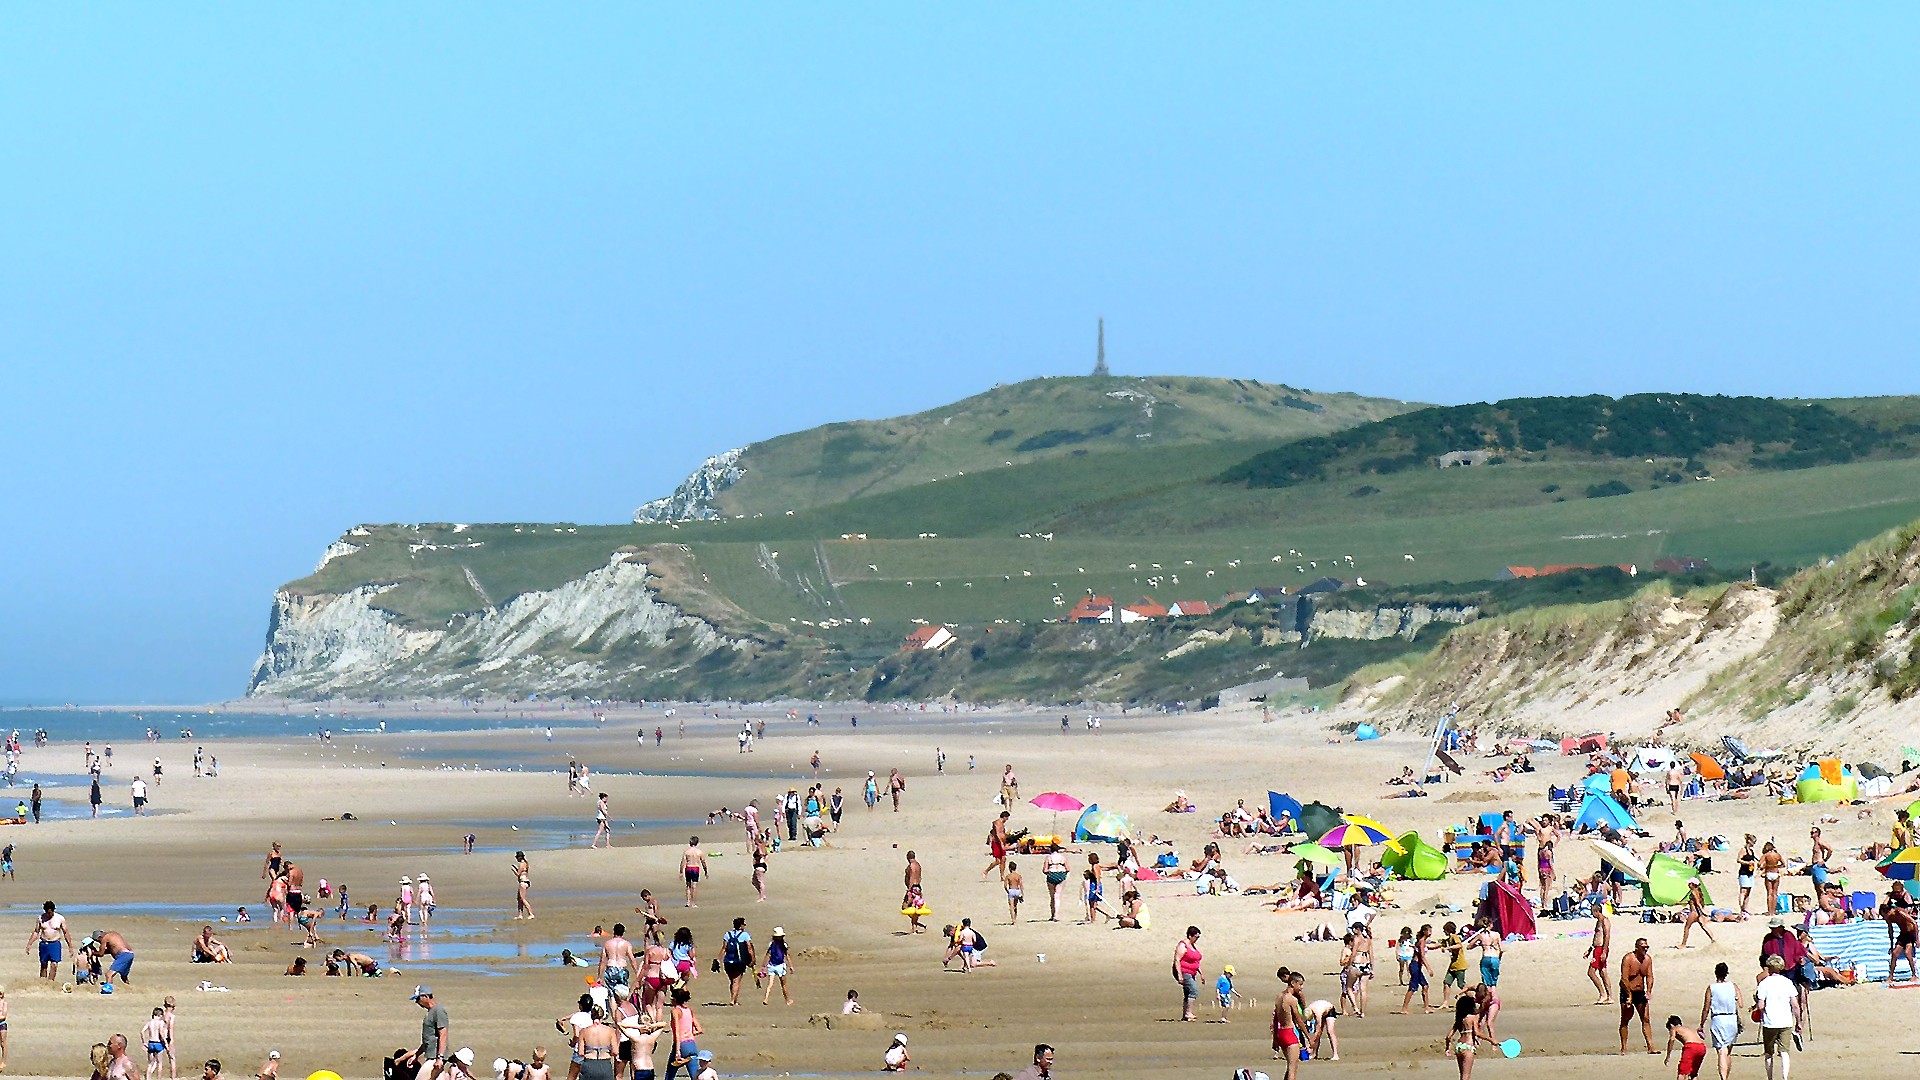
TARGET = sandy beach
(1104,997)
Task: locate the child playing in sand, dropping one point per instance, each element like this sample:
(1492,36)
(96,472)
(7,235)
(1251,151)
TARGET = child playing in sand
(1224,988)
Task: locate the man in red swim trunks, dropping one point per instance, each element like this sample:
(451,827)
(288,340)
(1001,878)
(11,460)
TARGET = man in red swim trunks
(1288,1017)
(997,844)
(1602,938)
(1693,1049)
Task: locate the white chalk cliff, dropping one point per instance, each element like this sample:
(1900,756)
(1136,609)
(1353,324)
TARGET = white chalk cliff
(587,632)
(695,498)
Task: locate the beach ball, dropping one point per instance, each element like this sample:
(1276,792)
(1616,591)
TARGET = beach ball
(324,1074)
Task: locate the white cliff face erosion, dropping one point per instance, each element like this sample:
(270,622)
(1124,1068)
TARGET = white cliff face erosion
(586,633)
(694,499)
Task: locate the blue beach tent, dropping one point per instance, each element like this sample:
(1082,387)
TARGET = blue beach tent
(1599,809)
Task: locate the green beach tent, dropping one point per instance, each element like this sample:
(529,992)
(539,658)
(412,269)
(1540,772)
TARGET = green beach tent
(1666,883)
(1416,860)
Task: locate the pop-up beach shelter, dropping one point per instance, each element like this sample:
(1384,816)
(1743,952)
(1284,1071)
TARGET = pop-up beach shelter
(1100,826)
(1708,768)
(1826,781)
(1416,860)
(1666,883)
(1600,808)
(1509,912)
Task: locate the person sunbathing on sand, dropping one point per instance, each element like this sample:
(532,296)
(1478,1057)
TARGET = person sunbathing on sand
(1180,804)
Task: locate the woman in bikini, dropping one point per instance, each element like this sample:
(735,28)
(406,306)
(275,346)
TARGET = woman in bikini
(1745,867)
(654,964)
(595,1046)
(1055,869)
(523,878)
(1771,867)
(1466,1031)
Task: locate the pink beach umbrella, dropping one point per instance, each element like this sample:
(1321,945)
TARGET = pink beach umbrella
(1057,801)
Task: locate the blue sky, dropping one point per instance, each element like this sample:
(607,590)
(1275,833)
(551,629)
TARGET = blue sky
(269,272)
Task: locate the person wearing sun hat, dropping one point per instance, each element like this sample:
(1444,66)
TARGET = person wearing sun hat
(406,897)
(777,966)
(432,1051)
(896,1056)
(706,1067)
(424,895)
(1224,988)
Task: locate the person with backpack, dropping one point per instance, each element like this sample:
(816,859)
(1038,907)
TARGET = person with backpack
(736,957)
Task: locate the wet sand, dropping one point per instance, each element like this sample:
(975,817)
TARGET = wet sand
(1105,998)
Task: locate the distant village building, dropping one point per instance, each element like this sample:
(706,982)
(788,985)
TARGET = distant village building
(1325,585)
(1262,594)
(1090,609)
(928,639)
(1464,458)
(1187,609)
(1145,610)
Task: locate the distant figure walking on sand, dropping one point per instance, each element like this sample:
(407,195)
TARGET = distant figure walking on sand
(601,826)
(693,864)
(896,786)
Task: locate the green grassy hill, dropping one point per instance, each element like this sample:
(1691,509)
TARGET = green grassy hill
(1024,422)
(1153,519)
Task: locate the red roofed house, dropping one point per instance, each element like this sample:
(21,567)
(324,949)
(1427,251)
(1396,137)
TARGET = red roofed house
(928,639)
(1147,609)
(1091,609)
(1188,608)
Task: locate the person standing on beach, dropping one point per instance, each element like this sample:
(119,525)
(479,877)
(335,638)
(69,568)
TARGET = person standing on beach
(154,1035)
(1287,1024)
(49,934)
(169,1011)
(523,879)
(1771,867)
(296,889)
(997,845)
(139,787)
(1777,1001)
(1042,1067)
(1696,913)
(616,959)
(1417,962)
(1720,1017)
(790,809)
(1636,993)
(1186,971)
(896,787)
(93,795)
(432,1051)
(736,957)
(777,966)
(693,864)
(1009,787)
(939,760)
(1055,870)
(1597,952)
(872,791)
(1016,890)
(601,826)
(34,802)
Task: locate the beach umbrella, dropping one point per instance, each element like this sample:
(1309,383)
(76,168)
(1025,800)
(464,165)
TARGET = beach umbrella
(1057,802)
(1620,859)
(1316,854)
(1902,865)
(1280,803)
(1348,834)
(1316,818)
(1374,826)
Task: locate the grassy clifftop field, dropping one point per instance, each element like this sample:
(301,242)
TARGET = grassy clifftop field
(1016,424)
(1017,544)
